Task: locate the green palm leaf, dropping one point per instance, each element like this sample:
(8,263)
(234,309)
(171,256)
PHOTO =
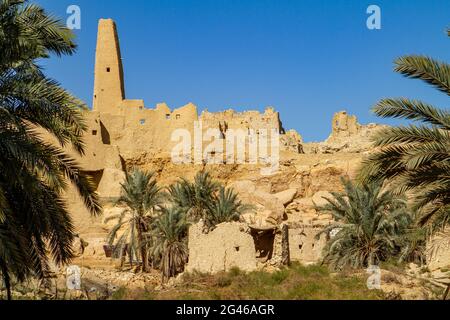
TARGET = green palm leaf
(412,110)
(427,69)
(416,158)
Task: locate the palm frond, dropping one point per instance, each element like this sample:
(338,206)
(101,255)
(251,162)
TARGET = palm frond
(427,69)
(409,135)
(412,110)
(35,225)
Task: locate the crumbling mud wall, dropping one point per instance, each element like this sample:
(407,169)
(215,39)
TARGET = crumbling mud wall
(231,119)
(303,245)
(347,136)
(281,252)
(344,125)
(136,129)
(229,245)
(120,129)
(237,245)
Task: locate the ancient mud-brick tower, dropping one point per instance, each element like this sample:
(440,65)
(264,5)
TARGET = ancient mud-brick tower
(109,89)
(139,131)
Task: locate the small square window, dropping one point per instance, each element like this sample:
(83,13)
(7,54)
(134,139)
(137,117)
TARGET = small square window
(178,116)
(167,116)
(108,69)
(94,132)
(142,122)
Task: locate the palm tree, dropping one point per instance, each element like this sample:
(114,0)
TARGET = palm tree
(370,223)
(207,200)
(194,198)
(225,207)
(142,197)
(412,245)
(170,241)
(416,158)
(33,172)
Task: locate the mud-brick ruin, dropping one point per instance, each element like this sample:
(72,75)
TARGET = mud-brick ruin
(124,133)
(121,128)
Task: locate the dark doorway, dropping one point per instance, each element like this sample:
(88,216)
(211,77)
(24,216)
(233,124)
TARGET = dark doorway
(264,242)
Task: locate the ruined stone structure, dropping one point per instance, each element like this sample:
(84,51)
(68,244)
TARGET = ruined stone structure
(344,125)
(303,245)
(347,135)
(124,132)
(109,89)
(121,129)
(227,246)
(237,245)
(285,221)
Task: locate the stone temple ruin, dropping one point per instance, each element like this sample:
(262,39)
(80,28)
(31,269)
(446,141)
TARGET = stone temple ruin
(123,132)
(122,129)
(241,245)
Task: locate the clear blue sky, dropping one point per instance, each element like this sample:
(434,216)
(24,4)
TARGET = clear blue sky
(307,58)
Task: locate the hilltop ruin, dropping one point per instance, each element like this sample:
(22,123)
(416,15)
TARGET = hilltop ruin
(121,129)
(124,133)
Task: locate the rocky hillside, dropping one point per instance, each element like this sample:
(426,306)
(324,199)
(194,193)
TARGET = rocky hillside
(306,174)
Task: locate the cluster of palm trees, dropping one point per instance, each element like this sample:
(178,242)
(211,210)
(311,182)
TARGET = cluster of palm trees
(402,191)
(154,224)
(34,222)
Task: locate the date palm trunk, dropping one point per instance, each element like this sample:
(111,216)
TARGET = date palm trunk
(7,281)
(143,249)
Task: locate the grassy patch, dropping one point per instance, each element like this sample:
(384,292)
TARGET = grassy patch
(296,282)
(120,294)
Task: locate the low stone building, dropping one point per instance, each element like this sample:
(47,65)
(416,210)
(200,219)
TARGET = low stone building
(237,245)
(228,245)
(304,247)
